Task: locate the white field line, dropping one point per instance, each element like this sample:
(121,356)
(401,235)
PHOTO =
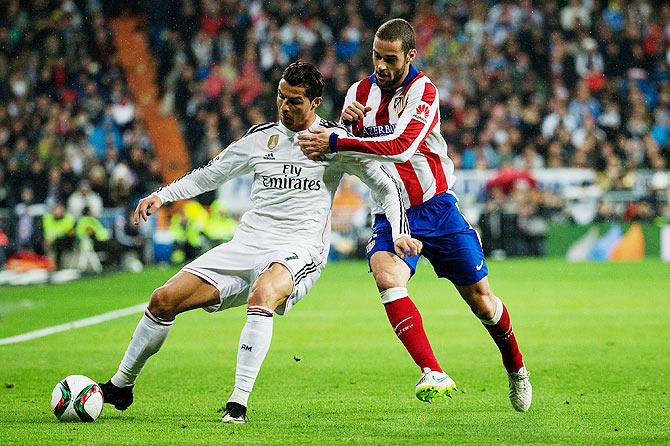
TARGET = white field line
(74,324)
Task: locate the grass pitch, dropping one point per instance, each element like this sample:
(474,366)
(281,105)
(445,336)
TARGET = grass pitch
(595,338)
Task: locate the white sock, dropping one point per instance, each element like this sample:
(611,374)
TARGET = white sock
(148,338)
(254,344)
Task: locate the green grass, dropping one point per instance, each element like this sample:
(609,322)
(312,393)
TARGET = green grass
(595,337)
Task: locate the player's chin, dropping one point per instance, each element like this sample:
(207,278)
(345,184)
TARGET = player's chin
(384,81)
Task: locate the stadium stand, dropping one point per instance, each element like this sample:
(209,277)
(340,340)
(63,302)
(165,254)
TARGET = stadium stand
(524,86)
(69,129)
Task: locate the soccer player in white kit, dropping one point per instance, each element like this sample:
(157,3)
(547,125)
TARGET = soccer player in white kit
(280,246)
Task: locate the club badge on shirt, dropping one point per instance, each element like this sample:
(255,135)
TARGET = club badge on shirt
(398,104)
(273,141)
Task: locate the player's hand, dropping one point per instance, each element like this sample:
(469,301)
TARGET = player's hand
(146,207)
(407,247)
(354,112)
(315,143)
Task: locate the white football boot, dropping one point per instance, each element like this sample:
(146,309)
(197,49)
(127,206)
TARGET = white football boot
(520,390)
(434,385)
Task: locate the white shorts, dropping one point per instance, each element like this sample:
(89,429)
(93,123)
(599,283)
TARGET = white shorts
(233,268)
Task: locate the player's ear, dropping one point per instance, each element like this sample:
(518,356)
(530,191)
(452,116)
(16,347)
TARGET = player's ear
(411,55)
(316,102)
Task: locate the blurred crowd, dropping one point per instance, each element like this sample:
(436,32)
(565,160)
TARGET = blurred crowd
(523,84)
(70,138)
(578,83)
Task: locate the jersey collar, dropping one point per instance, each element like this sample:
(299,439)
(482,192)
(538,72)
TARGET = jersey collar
(411,74)
(291,133)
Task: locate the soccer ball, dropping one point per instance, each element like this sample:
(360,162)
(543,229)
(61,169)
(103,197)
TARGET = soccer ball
(76,398)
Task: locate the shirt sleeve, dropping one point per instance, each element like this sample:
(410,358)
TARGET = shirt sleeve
(385,190)
(232,162)
(352,126)
(420,115)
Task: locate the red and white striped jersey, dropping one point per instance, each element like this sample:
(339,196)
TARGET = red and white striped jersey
(403,131)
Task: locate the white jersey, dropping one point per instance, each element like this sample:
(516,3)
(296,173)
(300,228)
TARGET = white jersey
(291,194)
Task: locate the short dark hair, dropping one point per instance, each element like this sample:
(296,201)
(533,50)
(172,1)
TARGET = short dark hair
(398,29)
(304,74)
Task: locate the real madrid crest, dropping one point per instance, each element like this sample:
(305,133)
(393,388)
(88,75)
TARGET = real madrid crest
(273,141)
(398,104)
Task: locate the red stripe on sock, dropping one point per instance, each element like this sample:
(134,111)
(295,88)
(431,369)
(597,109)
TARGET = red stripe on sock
(260,309)
(503,336)
(408,325)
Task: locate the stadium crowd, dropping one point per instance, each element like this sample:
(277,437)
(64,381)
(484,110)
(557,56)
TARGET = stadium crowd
(71,142)
(524,84)
(528,84)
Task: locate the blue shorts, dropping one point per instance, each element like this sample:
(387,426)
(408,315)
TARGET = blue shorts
(450,244)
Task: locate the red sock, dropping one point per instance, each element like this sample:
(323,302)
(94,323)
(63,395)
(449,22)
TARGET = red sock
(503,336)
(408,325)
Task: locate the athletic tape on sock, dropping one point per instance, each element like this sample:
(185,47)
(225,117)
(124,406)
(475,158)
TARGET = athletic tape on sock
(497,315)
(392,294)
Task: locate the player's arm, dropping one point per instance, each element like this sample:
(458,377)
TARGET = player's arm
(420,116)
(230,163)
(353,111)
(386,190)
(418,119)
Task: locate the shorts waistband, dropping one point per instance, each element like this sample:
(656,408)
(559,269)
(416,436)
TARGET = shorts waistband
(448,196)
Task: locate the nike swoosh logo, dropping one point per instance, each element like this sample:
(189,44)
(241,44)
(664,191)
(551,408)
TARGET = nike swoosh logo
(441,379)
(480,266)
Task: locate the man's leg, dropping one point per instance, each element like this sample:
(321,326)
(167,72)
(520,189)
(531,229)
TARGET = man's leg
(270,290)
(182,292)
(391,275)
(60,246)
(495,317)
(493,314)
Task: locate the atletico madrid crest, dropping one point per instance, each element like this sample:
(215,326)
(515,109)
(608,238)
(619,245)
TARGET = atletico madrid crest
(273,141)
(398,104)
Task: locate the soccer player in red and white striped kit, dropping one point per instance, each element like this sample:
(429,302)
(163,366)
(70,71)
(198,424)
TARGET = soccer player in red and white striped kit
(393,116)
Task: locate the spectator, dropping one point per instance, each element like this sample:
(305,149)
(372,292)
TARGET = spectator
(129,235)
(27,225)
(91,234)
(220,227)
(58,228)
(575,15)
(84,198)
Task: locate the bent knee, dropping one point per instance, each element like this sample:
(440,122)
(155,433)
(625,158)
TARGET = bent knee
(392,277)
(387,279)
(389,270)
(162,304)
(266,295)
(483,304)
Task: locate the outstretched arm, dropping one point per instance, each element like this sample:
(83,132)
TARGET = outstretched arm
(232,162)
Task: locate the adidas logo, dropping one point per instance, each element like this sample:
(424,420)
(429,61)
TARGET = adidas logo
(269,156)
